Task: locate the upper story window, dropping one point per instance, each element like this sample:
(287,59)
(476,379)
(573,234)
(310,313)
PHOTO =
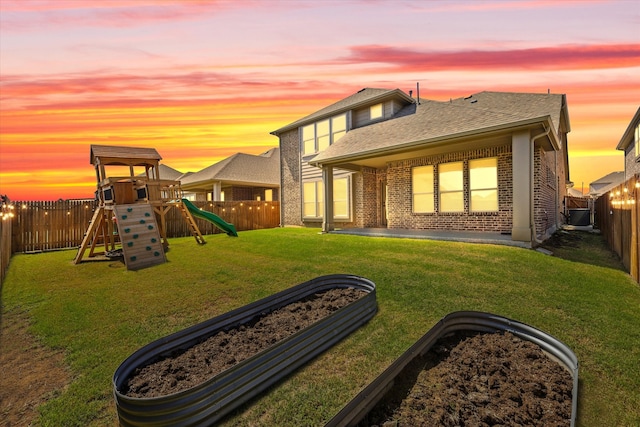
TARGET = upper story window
(318,136)
(375,112)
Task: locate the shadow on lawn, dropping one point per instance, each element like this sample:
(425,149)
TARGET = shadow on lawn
(583,246)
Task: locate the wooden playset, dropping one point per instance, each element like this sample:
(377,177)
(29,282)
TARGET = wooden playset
(132,208)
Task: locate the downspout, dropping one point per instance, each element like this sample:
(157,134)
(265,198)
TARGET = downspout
(534,236)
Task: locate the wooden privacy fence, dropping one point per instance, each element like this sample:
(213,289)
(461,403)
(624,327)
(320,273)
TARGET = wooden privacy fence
(44,226)
(618,218)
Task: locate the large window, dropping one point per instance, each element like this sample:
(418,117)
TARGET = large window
(318,136)
(451,187)
(341,198)
(483,184)
(422,189)
(313,198)
(313,195)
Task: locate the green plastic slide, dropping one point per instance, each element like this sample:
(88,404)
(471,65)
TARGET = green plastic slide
(211,217)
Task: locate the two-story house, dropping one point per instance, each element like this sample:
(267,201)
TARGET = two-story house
(491,162)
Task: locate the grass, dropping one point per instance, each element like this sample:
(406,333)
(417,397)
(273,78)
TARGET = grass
(99,313)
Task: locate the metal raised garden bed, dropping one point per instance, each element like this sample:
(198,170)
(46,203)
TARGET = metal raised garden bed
(209,401)
(356,410)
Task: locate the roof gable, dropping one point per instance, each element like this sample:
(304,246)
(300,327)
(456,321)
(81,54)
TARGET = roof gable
(358,99)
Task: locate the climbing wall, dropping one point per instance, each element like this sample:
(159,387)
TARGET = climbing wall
(138,229)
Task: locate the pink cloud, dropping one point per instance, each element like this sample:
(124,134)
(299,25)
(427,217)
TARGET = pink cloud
(566,57)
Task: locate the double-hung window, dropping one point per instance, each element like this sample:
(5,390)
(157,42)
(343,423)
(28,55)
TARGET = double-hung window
(313,198)
(309,139)
(422,189)
(341,197)
(451,187)
(483,184)
(318,136)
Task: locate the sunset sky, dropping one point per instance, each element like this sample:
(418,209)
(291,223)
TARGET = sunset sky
(202,80)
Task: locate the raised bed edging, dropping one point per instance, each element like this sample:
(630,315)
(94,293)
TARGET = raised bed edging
(352,413)
(209,401)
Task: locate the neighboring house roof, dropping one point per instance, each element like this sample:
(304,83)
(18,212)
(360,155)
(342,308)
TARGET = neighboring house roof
(627,137)
(574,192)
(434,121)
(606,183)
(364,96)
(240,169)
(167,172)
(128,155)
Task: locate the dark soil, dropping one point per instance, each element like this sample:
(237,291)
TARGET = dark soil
(478,379)
(187,368)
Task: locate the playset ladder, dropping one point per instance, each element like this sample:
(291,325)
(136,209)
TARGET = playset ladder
(192,223)
(96,226)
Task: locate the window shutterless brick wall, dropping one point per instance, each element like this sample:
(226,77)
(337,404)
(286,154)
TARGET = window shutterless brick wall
(400,207)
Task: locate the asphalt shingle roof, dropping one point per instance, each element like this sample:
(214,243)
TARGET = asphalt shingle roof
(436,120)
(241,167)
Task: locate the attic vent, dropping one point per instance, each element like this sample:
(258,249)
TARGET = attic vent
(468,97)
(474,101)
(362,90)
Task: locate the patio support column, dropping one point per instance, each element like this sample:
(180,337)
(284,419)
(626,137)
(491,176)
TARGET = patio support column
(217,189)
(327,217)
(522,164)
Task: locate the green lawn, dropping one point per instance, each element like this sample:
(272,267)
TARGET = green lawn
(99,313)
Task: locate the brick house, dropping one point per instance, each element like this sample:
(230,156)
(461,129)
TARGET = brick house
(236,178)
(491,162)
(630,144)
